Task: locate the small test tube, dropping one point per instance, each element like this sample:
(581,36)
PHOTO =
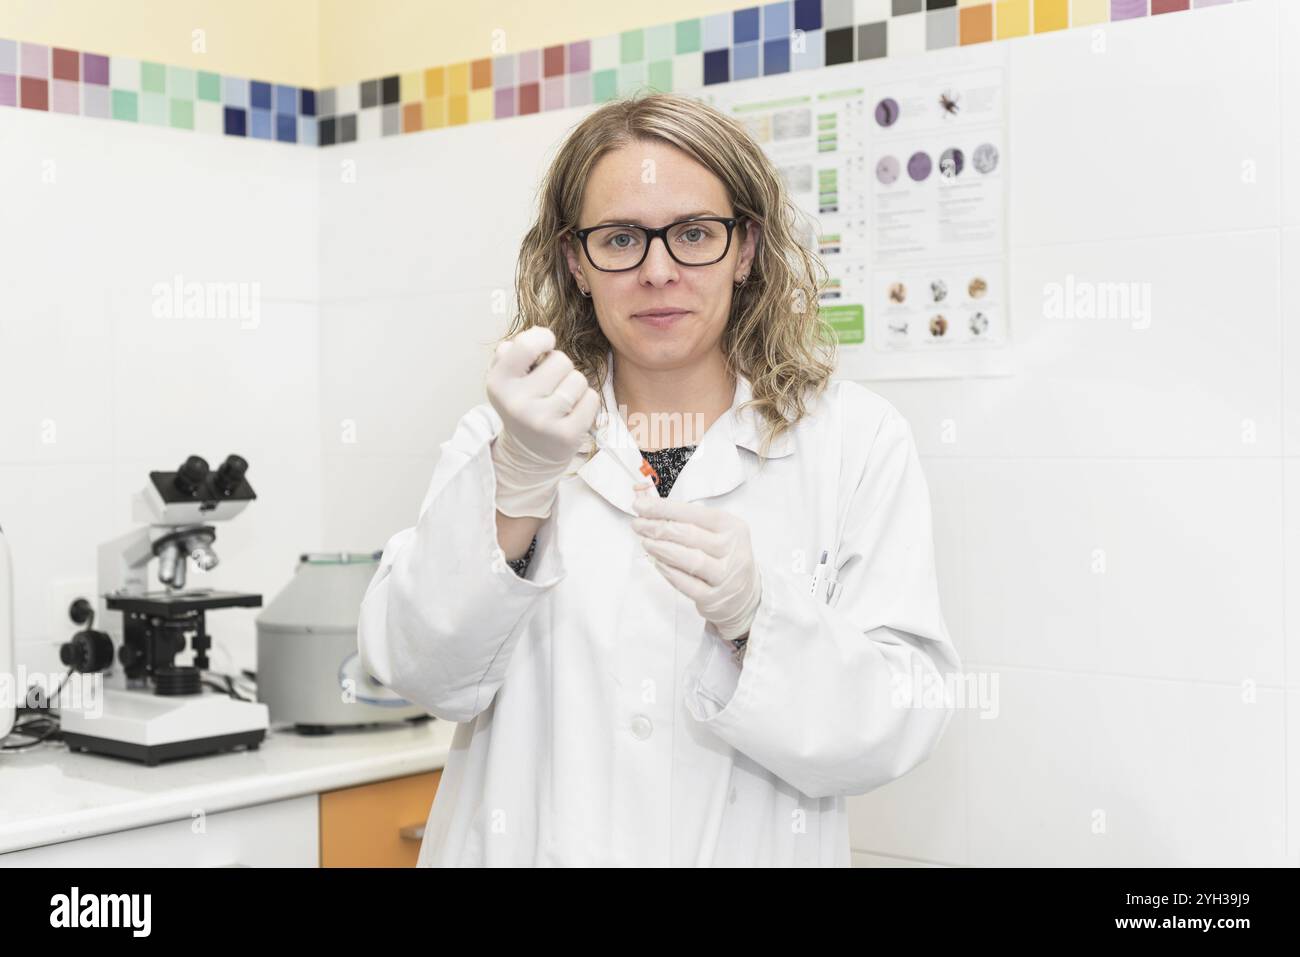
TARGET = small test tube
(647,470)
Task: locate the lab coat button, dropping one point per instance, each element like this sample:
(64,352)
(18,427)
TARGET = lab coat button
(641,727)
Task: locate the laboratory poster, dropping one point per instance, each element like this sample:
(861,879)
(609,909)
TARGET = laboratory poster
(899,175)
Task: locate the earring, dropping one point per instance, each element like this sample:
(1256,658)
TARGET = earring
(743,280)
(584,292)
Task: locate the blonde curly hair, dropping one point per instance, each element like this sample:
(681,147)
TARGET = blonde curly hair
(775,335)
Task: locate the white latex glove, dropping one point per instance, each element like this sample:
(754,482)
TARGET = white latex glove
(705,553)
(545,413)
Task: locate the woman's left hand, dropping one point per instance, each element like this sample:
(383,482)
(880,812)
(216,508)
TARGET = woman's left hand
(705,553)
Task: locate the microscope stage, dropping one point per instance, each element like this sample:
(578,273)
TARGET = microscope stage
(169,604)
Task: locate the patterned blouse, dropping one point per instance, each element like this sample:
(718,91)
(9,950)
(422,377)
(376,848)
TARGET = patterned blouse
(667,462)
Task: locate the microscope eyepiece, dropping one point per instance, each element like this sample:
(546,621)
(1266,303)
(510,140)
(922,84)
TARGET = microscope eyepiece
(191,475)
(231,474)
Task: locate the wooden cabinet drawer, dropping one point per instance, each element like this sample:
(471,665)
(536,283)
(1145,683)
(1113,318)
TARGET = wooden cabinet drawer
(376,825)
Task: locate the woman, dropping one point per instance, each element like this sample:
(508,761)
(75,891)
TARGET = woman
(649,679)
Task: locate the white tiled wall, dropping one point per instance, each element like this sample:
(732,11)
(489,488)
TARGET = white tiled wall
(1142,127)
(1128,545)
(96,391)
(1288,84)
(418,242)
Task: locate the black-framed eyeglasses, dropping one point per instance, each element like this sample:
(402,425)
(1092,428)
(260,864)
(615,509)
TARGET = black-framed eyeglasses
(616,247)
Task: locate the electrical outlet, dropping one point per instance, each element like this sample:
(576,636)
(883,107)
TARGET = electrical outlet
(59,596)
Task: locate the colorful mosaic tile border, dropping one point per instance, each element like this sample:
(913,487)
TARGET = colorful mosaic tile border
(38,77)
(689,54)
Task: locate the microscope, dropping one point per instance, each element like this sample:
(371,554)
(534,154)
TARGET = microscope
(154,709)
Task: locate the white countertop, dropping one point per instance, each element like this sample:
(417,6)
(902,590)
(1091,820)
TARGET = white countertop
(50,794)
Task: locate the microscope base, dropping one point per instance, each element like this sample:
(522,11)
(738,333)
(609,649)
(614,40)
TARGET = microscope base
(154,754)
(149,728)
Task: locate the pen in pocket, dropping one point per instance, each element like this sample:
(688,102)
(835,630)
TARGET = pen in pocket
(818,572)
(824,574)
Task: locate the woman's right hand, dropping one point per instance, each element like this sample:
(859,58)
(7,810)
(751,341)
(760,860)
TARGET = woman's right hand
(545,413)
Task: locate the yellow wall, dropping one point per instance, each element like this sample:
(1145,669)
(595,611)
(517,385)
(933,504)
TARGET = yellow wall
(320,43)
(277,40)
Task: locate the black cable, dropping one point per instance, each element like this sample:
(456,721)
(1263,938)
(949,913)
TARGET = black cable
(50,728)
(230,683)
(62,685)
(220,688)
(230,686)
(47,707)
(44,716)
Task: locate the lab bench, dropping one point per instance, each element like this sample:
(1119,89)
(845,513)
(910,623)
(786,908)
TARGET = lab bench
(354,798)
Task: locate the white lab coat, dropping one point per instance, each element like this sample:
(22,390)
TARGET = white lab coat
(601,721)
